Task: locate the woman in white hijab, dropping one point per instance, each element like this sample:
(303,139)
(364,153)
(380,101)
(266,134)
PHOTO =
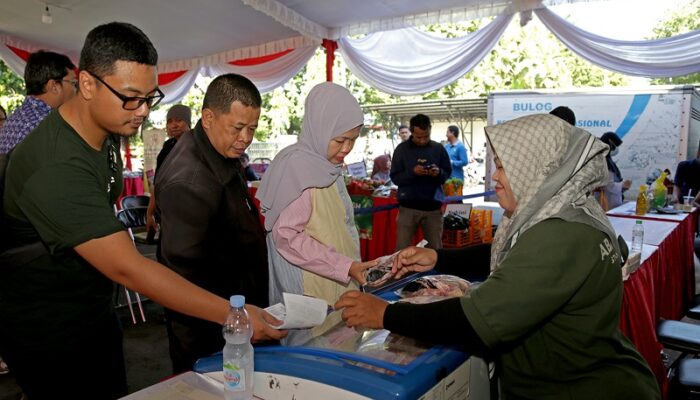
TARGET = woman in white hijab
(313,244)
(549,312)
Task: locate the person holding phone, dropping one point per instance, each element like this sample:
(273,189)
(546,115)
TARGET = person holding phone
(419,168)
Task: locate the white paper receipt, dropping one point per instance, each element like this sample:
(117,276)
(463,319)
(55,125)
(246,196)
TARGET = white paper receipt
(299,312)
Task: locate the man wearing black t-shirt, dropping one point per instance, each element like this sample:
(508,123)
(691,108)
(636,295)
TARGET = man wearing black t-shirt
(62,245)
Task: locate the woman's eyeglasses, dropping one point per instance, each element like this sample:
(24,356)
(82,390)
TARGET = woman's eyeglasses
(133,102)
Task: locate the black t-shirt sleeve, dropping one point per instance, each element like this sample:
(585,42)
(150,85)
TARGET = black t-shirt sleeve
(470,263)
(401,169)
(68,205)
(442,322)
(680,174)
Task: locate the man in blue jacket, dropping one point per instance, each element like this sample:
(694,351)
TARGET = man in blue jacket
(457,152)
(419,168)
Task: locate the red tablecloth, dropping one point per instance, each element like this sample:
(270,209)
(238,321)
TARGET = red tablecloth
(383,240)
(383,231)
(661,288)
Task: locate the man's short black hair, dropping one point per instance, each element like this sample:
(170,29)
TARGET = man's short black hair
(454,129)
(402,127)
(565,113)
(112,42)
(228,88)
(421,121)
(43,66)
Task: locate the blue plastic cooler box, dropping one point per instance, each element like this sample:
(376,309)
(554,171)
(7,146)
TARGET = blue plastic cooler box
(372,364)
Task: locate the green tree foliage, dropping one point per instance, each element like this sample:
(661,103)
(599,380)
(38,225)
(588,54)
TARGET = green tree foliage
(684,20)
(11,88)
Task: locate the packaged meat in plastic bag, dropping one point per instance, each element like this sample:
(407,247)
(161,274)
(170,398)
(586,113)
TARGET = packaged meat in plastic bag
(443,286)
(379,275)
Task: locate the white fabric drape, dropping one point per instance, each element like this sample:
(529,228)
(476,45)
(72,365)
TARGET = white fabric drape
(223,57)
(266,76)
(15,62)
(408,61)
(174,91)
(269,75)
(673,56)
(12,60)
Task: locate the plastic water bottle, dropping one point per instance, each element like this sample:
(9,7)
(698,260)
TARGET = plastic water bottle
(637,237)
(238,352)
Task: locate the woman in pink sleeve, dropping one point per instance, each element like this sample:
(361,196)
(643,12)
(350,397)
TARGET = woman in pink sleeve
(313,245)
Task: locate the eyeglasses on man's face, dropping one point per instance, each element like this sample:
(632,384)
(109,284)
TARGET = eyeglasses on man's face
(72,82)
(133,102)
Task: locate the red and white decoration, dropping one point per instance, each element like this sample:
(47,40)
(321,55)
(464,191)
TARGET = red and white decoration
(271,40)
(267,71)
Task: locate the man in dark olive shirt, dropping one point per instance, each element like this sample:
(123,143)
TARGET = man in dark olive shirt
(211,232)
(62,245)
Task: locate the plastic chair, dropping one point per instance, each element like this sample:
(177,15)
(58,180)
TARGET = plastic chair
(133,218)
(137,200)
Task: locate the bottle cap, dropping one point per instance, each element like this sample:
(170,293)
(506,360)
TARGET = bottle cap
(638,222)
(237,301)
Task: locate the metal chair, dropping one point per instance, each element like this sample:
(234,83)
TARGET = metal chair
(684,373)
(133,218)
(694,310)
(137,200)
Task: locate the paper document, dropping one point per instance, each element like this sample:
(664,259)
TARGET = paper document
(299,311)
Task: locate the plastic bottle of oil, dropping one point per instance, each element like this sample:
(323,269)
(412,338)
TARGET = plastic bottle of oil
(642,203)
(659,190)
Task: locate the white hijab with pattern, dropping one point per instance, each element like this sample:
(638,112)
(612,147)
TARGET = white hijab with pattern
(552,168)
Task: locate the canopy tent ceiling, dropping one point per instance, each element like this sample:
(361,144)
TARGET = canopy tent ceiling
(269,41)
(186,29)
